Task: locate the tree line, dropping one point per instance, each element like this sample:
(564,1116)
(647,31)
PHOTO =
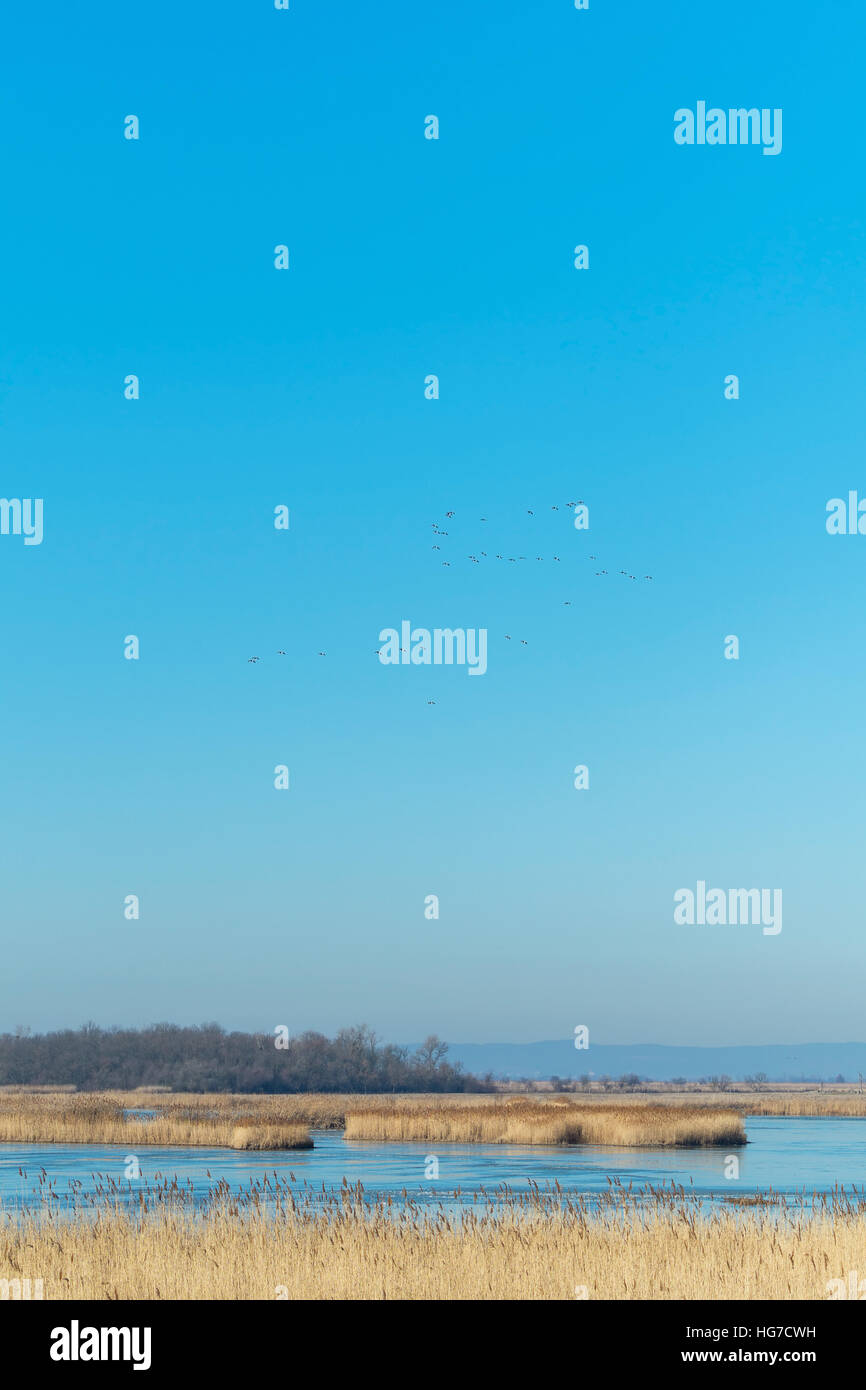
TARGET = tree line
(208,1058)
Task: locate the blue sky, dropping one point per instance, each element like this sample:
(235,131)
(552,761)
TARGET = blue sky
(306,387)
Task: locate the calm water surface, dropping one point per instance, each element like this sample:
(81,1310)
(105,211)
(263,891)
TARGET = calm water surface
(785,1155)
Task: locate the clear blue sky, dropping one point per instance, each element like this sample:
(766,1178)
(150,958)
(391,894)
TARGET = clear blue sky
(305,387)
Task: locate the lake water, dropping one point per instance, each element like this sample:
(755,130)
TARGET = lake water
(789,1156)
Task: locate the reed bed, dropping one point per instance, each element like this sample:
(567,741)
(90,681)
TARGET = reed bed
(329,1111)
(663,1119)
(100,1119)
(810,1104)
(312,1109)
(275,1243)
(522,1122)
(267,1137)
(782,1103)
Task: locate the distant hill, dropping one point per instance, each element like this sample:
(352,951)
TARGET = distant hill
(780,1061)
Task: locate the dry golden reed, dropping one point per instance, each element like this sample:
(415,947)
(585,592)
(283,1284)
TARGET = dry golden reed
(100,1119)
(526,1248)
(250,1135)
(551,1122)
(664,1118)
(783,1103)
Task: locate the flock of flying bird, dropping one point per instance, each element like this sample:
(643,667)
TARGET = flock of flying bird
(442,534)
(253,659)
(515,559)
